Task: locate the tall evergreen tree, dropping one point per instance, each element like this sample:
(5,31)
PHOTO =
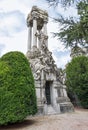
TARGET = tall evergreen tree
(73,31)
(77,79)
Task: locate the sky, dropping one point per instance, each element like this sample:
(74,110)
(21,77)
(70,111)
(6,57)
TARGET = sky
(14,31)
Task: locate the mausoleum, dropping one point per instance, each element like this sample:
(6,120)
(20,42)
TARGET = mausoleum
(49,80)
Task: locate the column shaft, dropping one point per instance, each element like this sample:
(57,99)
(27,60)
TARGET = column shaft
(34,32)
(39,42)
(45,28)
(29,37)
(45,31)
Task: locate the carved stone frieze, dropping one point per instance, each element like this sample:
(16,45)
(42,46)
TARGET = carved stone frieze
(41,61)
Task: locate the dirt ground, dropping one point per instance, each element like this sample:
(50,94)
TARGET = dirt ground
(68,121)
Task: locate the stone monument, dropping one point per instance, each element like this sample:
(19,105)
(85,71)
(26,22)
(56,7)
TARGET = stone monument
(49,80)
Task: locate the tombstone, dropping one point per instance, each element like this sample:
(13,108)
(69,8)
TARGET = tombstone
(50,90)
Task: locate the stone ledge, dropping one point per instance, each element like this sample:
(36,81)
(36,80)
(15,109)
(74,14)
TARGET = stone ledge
(66,107)
(63,99)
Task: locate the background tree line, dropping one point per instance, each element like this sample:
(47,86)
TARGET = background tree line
(73,33)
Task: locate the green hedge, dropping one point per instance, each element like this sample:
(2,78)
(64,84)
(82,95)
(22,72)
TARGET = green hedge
(77,78)
(17,90)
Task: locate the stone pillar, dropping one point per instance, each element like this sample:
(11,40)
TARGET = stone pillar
(64,91)
(39,41)
(45,27)
(29,38)
(55,96)
(45,30)
(34,32)
(42,83)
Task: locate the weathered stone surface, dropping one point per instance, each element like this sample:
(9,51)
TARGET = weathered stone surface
(40,15)
(49,80)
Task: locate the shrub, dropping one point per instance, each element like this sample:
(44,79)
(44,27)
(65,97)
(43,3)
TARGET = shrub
(17,90)
(77,78)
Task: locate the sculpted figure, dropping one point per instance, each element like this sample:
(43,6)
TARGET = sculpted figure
(42,39)
(36,68)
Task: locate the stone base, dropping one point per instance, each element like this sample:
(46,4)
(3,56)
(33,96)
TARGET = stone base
(66,107)
(40,110)
(63,99)
(49,109)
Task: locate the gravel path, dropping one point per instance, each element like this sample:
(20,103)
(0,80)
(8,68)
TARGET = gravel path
(69,121)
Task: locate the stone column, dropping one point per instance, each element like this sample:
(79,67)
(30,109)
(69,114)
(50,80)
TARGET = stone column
(64,91)
(42,81)
(45,27)
(34,32)
(39,42)
(29,37)
(45,30)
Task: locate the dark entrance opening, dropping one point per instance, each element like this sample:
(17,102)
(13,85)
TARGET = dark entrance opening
(47,92)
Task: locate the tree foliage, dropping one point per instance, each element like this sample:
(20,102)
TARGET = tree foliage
(73,31)
(17,91)
(70,32)
(77,78)
(83,12)
(63,2)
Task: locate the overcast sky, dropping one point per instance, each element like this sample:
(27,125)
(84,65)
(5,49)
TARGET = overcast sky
(14,32)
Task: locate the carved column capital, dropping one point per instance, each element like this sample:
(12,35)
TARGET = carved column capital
(34,15)
(29,20)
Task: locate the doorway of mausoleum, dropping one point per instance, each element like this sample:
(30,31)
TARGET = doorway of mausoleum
(48,92)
